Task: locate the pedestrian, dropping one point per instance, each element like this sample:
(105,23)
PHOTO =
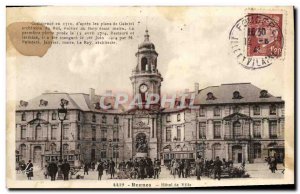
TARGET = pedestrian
(100,170)
(180,168)
(29,170)
(46,173)
(129,165)
(111,167)
(272,165)
(86,169)
(156,168)
(187,167)
(65,168)
(199,166)
(142,165)
(174,167)
(52,169)
(217,168)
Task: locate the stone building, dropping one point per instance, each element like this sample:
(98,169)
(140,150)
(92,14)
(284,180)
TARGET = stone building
(238,122)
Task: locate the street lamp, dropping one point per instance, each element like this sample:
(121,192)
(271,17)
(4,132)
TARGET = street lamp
(62,114)
(112,149)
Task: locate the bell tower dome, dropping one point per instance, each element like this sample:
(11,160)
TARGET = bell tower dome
(146,78)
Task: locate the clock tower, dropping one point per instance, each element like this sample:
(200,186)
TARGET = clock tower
(145,77)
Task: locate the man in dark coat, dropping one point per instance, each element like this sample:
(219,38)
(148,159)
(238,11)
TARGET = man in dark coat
(156,168)
(52,169)
(112,168)
(217,168)
(129,164)
(142,166)
(29,170)
(65,168)
(180,169)
(100,169)
(86,168)
(187,167)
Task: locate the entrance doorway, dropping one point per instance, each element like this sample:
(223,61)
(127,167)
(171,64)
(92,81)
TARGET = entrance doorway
(37,155)
(237,154)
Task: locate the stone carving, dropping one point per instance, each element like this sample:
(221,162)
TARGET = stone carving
(141,144)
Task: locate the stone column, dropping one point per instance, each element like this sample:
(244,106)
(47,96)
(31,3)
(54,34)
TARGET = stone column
(226,152)
(246,153)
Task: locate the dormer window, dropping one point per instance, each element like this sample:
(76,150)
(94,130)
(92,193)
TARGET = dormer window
(264,94)
(97,105)
(236,95)
(43,102)
(23,103)
(210,96)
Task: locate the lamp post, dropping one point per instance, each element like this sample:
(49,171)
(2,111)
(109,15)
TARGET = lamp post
(62,114)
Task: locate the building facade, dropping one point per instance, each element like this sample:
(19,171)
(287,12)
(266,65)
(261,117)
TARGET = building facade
(238,122)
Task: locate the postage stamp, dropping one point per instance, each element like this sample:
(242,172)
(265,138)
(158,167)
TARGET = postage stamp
(257,39)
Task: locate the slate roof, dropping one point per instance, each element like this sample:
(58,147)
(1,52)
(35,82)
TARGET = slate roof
(224,94)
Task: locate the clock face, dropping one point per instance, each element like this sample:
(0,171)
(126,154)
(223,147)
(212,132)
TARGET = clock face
(143,88)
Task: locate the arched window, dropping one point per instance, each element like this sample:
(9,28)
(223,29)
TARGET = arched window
(273,109)
(257,150)
(23,151)
(210,96)
(237,131)
(144,63)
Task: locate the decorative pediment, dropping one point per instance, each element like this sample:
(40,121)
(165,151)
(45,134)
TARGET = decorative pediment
(38,121)
(237,116)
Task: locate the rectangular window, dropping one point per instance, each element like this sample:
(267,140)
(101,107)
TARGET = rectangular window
(78,132)
(272,110)
(68,116)
(53,132)
(257,151)
(178,133)
(217,111)
(93,154)
(103,134)
(93,133)
(168,134)
(65,132)
(256,110)
(202,112)
(23,132)
(178,117)
(257,129)
(152,127)
(273,129)
(54,116)
(116,154)
(116,135)
(202,130)
(23,116)
(217,130)
(168,118)
(128,132)
(103,154)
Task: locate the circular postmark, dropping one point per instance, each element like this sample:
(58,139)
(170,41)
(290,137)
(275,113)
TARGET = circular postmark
(257,39)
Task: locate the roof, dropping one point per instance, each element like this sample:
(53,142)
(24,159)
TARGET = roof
(78,101)
(224,94)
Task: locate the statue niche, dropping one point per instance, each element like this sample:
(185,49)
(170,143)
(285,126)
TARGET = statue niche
(141,144)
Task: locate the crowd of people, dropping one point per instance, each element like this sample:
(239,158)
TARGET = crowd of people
(141,168)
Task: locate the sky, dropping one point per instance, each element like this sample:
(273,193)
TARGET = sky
(192,43)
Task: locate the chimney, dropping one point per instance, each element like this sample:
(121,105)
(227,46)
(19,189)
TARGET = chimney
(196,87)
(92,96)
